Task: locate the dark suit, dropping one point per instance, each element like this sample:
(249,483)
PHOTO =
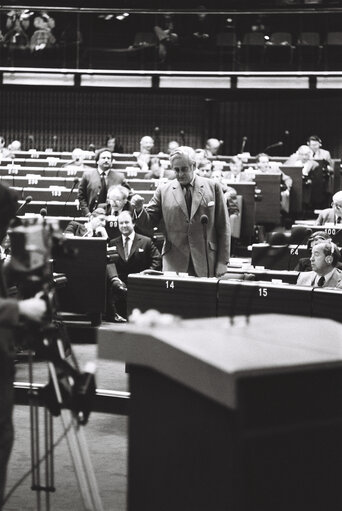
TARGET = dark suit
(90,188)
(143,255)
(75,228)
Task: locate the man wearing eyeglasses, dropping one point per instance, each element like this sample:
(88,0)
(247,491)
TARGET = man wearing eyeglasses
(332,215)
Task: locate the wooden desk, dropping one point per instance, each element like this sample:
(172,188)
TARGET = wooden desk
(239,418)
(246,190)
(268,209)
(188,297)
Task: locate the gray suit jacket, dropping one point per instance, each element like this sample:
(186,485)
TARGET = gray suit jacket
(307,278)
(184,235)
(326,216)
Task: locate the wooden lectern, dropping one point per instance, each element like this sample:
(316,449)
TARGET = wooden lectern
(233,418)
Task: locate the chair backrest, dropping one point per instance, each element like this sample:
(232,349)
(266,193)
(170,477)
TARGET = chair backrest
(235,221)
(309,39)
(226,39)
(254,39)
(279,38)
(334,38)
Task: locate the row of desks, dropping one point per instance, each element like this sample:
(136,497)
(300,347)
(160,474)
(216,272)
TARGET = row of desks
(190,297)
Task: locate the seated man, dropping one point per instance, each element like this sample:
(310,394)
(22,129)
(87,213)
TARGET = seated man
(212,147)
(332,215)
(265,166)
(236,173)
(77,162)
(304,263)
(134,253)
(117,201)
(303,157)
(95,227)
(324,258)
(315,144)
(143,156)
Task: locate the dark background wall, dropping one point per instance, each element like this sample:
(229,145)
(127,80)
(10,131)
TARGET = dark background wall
(79,117)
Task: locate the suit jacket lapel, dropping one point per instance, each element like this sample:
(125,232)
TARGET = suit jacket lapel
(197,197)
(120,249)
(179,197)
(134,245)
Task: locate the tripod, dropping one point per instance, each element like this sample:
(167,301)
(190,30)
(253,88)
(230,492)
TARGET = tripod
(54,394)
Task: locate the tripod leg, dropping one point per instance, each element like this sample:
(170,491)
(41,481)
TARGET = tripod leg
(34,424)
(79,454)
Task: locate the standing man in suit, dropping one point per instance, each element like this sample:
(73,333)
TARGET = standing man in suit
(133,254)
(94,184)
(332,215)
(195,218)
(324,258)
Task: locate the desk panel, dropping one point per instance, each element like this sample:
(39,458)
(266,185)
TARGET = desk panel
(327,303)
(236,298)
(185,297)
(267,211)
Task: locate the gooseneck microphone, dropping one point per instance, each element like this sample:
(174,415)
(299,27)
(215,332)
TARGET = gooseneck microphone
(301,233)
(243,143)
(76,181)
(27,200)
(276,144)
(204,221)
(182,137)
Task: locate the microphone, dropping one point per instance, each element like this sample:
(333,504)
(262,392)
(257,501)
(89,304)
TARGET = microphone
(276,144)
(244,140)
(286,133)
(27,201)
(299,233)
(54,143)
(76,181)
(204,221)
(182,137)
(31,141)
(43,212)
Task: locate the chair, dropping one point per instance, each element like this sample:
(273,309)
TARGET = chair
(309,50)
(333,50)
(279,49)
(252,50)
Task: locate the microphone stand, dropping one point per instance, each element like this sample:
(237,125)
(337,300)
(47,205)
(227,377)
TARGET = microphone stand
(293,251)
(76,181)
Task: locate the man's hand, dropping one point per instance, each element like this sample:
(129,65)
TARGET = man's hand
(220,270)
(137,202)
(33,308)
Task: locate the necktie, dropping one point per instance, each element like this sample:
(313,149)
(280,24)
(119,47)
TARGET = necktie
(321,282)
(339,220)
(188,198)
(103,191)
(126,247)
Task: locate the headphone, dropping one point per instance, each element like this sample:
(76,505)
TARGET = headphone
(330,258)
(316,139)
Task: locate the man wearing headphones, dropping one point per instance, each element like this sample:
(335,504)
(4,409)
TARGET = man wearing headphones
(315,144)
(324,273)
(94,184)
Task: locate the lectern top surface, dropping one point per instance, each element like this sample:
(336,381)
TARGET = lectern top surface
(210,355)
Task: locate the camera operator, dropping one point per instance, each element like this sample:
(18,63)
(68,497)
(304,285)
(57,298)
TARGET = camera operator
(11,312)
